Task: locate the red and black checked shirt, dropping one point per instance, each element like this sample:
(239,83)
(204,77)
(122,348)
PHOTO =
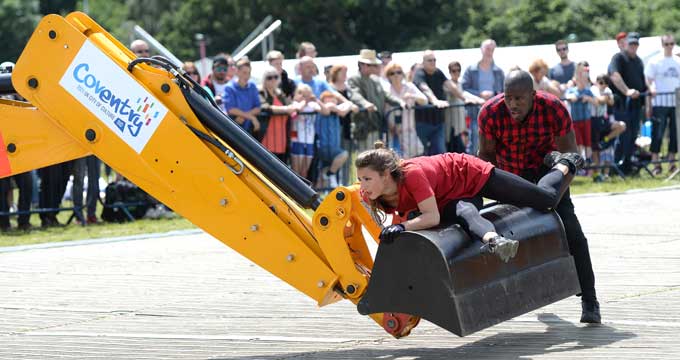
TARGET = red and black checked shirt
(522,146)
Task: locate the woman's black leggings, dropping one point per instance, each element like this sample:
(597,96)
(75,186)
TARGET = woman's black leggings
(506,188)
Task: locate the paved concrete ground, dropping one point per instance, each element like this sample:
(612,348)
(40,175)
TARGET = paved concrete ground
(189,297)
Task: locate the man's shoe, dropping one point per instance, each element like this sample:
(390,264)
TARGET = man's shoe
(590,312)
(505,249)
(574,161)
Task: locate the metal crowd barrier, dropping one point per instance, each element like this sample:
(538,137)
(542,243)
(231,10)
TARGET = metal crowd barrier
(77,211)
(398,131)
(76,214)
(455,120)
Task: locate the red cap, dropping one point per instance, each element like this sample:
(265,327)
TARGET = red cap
(620,35)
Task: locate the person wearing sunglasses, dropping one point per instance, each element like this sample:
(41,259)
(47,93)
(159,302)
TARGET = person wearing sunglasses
(563,71)
(276,111)
(457,137)
(219,78)
(286,84)
(192,71)
(430,121)
(663,78)
(190,68)
(406,140)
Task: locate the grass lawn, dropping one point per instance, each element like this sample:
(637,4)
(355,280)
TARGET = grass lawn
(585,185)
(73,231)
(581,185)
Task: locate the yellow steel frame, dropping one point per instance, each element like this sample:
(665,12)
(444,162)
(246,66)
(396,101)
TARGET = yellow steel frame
(325,256)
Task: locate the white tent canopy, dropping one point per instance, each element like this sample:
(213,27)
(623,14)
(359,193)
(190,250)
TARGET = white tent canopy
(597,53)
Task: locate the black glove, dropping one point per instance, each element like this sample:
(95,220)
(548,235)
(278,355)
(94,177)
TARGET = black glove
(389,233)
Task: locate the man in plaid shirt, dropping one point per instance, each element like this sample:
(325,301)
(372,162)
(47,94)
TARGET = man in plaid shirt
(517,129)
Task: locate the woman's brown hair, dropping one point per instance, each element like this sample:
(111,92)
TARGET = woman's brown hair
(380,159)
(334,72)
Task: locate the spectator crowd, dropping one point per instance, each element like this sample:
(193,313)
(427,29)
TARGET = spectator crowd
(315,121)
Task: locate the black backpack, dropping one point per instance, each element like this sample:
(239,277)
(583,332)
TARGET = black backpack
(125,194)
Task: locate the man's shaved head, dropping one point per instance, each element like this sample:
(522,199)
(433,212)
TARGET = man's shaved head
(518,80)
(519,94)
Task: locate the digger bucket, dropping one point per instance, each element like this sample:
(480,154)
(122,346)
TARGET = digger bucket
(441,275)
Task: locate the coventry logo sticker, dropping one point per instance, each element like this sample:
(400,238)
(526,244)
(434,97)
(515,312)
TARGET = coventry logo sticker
(113,96)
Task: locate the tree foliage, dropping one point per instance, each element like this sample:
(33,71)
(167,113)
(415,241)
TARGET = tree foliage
(342,27)
(17,20)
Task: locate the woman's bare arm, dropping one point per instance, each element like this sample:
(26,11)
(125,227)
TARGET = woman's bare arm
(429,215)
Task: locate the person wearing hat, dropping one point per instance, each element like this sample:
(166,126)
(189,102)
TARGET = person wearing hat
(628,79)
(369,95)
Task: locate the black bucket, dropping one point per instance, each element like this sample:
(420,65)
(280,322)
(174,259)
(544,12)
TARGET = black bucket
(440,274)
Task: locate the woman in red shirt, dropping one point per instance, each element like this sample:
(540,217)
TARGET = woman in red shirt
(443,185)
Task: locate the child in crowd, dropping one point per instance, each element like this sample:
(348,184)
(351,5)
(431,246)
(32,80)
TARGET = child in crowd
(581,99)
(604,129)
(328,133)
(303,132)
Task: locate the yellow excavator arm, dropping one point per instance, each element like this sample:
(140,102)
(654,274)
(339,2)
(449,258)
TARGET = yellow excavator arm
(88,94)
(83,98)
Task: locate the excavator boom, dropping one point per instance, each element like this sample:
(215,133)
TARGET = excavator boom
(88,94)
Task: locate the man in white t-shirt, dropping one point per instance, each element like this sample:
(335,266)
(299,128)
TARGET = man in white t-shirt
(663,78)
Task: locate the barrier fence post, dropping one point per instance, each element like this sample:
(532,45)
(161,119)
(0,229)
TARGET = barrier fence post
(677,129)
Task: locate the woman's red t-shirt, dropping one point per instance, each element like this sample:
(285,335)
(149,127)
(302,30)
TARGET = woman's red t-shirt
(449,176)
